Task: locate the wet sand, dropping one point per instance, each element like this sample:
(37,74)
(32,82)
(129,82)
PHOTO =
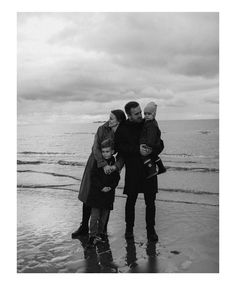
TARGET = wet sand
(188,237)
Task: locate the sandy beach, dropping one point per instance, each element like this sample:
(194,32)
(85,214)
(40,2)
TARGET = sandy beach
(188,236)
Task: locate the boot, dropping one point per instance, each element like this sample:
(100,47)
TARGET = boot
(150,168)
(160,166)
(152,235)
(82,230)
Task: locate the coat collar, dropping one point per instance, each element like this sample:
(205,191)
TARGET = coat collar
(106,125)
(133,124)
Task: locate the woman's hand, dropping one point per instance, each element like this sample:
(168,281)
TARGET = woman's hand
(107,169)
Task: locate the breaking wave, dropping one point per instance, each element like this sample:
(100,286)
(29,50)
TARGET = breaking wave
(49,173)
(195,169)
(45,153)
(60,162)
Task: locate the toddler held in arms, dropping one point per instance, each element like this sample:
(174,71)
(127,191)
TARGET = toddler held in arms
(151,139)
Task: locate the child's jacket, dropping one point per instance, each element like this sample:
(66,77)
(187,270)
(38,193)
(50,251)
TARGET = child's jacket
(99,180)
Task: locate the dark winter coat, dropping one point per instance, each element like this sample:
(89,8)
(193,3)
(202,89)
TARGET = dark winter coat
(127,143)
(99,180)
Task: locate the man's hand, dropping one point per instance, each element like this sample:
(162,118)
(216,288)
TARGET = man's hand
(106,189)
(145,150)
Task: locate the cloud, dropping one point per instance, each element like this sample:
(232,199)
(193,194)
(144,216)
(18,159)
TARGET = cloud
(212,97)
(151,92)
(205,66)
(71,59)
(148,39)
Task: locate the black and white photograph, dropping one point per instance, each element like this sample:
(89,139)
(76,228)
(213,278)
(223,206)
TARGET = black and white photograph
(118,142)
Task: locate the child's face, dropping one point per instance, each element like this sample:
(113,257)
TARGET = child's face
(148,116)
(107,152)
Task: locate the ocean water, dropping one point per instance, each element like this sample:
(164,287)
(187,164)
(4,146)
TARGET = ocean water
(55,156)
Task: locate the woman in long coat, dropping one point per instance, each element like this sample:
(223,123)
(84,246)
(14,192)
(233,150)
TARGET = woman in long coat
(105,131)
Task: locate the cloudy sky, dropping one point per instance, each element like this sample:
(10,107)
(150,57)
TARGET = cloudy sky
(76,67)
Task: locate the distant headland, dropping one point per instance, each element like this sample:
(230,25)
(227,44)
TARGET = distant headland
(99,122)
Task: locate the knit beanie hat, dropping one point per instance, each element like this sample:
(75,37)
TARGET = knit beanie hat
(151,107)
(120,115)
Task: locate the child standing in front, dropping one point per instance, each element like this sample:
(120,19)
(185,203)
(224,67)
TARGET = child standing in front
(151,138)
(102,194)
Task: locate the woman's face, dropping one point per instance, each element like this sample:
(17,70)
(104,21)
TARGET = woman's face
(113,121)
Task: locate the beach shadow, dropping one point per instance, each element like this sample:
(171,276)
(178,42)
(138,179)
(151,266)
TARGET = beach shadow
(98,259)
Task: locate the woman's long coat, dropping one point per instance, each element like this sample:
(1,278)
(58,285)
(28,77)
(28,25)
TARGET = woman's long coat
(127,143)
(103,132)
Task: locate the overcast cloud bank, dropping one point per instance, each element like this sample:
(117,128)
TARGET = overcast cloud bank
(69,64)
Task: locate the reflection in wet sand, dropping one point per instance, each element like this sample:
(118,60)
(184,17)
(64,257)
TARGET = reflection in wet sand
(149,264)
(98,259)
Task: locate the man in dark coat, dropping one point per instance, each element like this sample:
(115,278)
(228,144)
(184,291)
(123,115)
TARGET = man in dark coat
(127,144)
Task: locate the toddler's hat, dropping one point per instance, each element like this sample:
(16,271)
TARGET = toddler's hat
(151,107)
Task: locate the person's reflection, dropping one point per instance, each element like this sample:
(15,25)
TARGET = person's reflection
(98,259)
(149,266)
(131,254)
(152,265)
(105,258)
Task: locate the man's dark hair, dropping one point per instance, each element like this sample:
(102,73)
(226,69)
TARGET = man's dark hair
(107,143)
(129,105)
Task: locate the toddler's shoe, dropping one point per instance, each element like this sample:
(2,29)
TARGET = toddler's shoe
(150,168)
(160,166)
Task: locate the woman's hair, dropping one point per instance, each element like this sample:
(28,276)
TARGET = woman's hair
(119,114)
(129,105)
(107,143)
